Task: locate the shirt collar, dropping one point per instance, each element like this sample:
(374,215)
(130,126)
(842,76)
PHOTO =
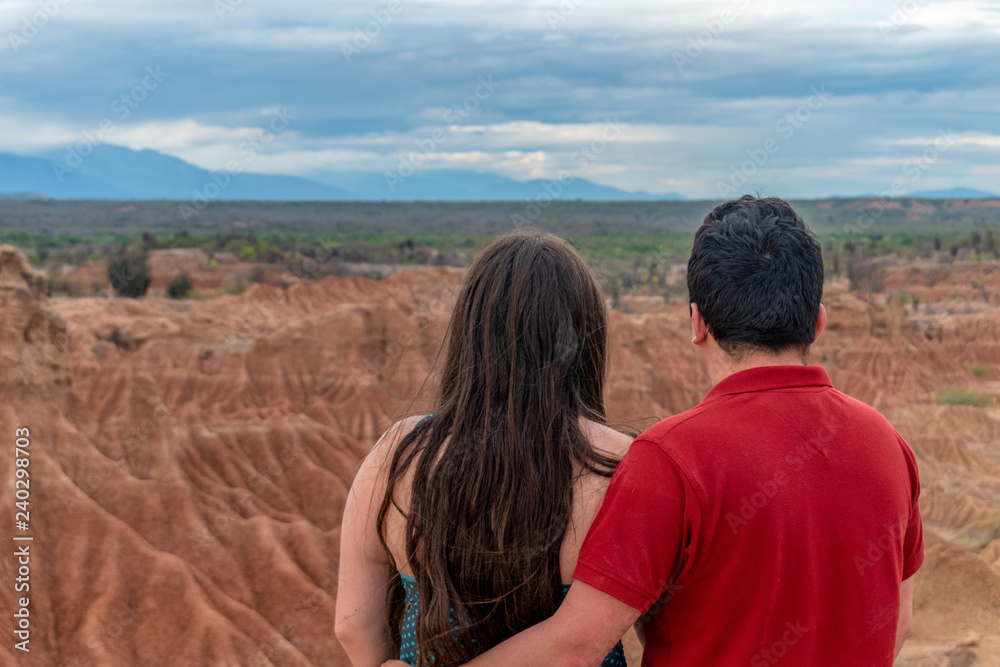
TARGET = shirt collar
(771,377)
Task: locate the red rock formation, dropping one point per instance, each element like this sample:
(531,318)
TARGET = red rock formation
(191,459)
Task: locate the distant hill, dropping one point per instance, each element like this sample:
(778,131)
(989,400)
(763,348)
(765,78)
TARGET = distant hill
(115,173)
(950,193)
(953,193)
(19,175)
(22,195)
(461,185)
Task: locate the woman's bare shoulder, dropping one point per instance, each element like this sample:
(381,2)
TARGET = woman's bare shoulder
(395,433)
(377,461)
(606,439)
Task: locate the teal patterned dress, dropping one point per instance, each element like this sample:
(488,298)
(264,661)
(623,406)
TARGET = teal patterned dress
(408,646)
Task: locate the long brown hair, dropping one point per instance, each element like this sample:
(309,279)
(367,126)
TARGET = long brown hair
(494,466)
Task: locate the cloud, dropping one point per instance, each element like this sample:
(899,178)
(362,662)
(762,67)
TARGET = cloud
(968,139)
(699,84)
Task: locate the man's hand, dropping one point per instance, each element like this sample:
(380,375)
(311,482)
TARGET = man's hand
(583,630)
(581,633)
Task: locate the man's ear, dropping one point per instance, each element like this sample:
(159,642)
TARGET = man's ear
(698,327)
(820,321)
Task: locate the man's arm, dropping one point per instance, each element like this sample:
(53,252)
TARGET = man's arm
(589,622)
(905,613)
(599,608)
(581,633)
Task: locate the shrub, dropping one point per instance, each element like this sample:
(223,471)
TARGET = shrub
(121,338)
(963,397)
(866,276)
(58,285)
(129,274)
(180,286)
(258,274)
(183,239)
(270,253)
(239,285)
(979,370)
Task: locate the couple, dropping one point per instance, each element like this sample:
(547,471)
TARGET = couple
(775,522)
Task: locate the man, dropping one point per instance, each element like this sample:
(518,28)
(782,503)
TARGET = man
(777,521)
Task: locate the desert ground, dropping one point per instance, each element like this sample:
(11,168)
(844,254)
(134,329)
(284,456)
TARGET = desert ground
(190,458)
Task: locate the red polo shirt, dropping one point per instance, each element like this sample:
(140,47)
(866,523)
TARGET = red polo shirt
(773,523)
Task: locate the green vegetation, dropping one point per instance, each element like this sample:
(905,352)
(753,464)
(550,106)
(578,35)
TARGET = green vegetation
(110,220)
(964,397)
(60,286)
(632,245)
(129,274)
(239,285)
(180,286)
(978,370)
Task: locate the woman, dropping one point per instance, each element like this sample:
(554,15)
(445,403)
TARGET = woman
(463,527)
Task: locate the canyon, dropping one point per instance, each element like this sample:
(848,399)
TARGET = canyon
(190,459)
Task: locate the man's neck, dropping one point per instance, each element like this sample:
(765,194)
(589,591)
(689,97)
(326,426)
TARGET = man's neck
(724,366)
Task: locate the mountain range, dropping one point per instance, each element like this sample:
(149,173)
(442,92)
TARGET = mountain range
(949,193)
(115,172)
(953,193)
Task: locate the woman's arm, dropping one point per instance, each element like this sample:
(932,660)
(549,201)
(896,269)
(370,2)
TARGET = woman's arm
(364,568)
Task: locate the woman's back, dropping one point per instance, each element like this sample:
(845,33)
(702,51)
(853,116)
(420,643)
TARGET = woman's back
(485,503)
(588,493)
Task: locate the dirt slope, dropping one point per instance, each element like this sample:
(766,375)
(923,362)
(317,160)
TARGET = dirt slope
(190,459)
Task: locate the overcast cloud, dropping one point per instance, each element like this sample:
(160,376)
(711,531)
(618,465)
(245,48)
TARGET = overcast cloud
(787,98)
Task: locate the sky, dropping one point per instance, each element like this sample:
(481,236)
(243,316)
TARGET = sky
(703,98)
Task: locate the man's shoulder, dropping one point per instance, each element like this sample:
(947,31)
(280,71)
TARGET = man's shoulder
(860,411)
(717,413)
(693,420)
